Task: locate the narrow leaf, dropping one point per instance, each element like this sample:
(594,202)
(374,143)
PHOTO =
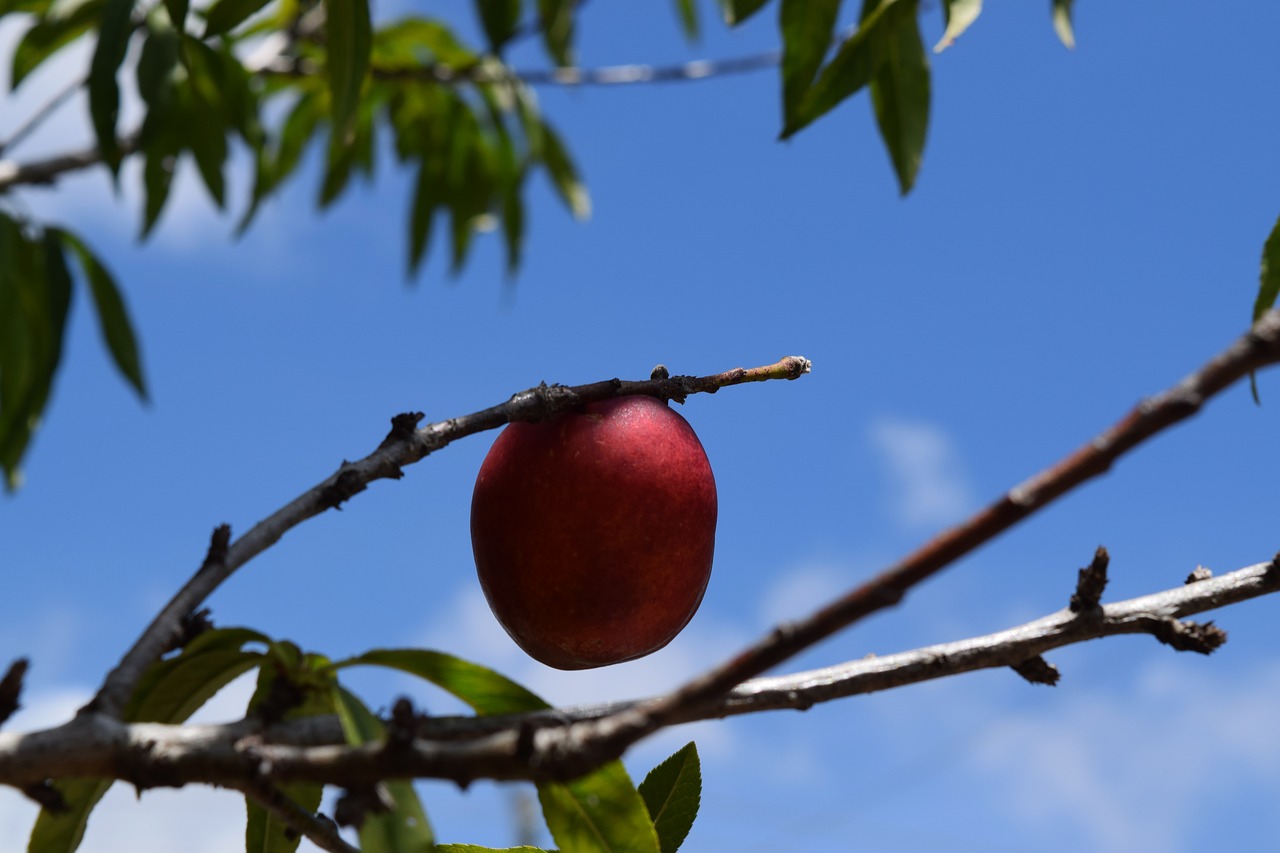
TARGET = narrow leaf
(688,12)
(177,10)
(350,41)
(853,67)
(960,14)
(476,848)
(225,15)
(500,19)
(555,21)
(1062,22)
(672,792)
(426,201)
(737,11)
(807,27)
(900,93)
(113,316)
(1269,280)
(484,690)
(49,35)
(104,90)
(564,175)
(600,813)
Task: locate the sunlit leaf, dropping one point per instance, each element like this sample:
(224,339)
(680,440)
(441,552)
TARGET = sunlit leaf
(900,94)
(475,848)
(807,27)
(486,691)
(960,14)
(113,317)
(672,792)
(555,20)
(1062,22)
(104,90)
(1269,280)
(350,41)
(600,813)
(688,12)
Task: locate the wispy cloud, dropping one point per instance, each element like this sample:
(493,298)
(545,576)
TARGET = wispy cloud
(926,479)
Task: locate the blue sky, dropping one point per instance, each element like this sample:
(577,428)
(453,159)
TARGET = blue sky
(1085,230)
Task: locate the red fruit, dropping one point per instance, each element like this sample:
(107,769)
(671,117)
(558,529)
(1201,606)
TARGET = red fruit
(593,532)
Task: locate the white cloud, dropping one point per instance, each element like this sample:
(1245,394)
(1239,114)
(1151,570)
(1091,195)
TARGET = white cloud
(927,482)
(797,592)
(1136,769)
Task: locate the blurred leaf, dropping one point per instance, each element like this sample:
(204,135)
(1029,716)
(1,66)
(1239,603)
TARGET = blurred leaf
(501,19)
(600,813)
(411,42)
(853,67)
(225,15)
(177,10)
(900,94)
(204,133)
(555,20)
(264,832)
(426,202)
(104,91)
(688,12)
(513,222)
(807,28)
(344,155)
(405,829)
(298,130)
(47,36)
(170,691)
(1062,22)
(156,65)
(484,690)
(959,14)
(35,296)
(737,11)
(161,160)
(564,175)
(672,792)
(475,848)
(349,43)
(113,317)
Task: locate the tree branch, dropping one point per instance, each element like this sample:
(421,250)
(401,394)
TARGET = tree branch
(319,829)
(404,445)
(253,757)
(1257,348)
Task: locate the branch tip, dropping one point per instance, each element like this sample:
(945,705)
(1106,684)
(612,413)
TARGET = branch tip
(11,688)
(356,804)
(218,544)
(46,796)
(1189,636)
(1090,583)
(660,372)
(1200,573)
(1037,670)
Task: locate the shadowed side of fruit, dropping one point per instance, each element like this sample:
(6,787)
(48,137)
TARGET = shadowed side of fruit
(593,532)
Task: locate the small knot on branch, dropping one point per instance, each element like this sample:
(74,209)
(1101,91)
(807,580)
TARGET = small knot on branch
(1091,582)
(1189,636)
(192,625)
(282,697)
(403,725)
(795,366)
(343,486)
(1200,573)
(46,796)
(660,372)
(218,544)
(11,688)
(356,804)
(403,426)
(1037,670)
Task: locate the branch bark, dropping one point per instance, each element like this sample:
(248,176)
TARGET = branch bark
(251,756)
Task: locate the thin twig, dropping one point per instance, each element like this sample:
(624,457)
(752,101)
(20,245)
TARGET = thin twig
(403,446)
(549,744)
(320,830)
(1257,348)
(41,115)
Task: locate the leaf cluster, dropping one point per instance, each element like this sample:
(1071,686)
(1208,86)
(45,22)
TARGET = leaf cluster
(602,811)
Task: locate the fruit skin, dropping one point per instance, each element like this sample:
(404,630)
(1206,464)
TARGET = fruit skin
(593,532)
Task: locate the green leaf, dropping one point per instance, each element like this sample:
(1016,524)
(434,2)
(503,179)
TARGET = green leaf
(555,21)
(35,296)
(47,36)
(600,813)
(688,12)
(1062,22)
(177,10)
(476,848)
(405,829)
(349,44)
(807,26)
(672,792)
(900,94)
(104,90)
(427,200)
(484,690)
(156,66)
(513,227)
(401,45)
(225,15)
(737,11)
(264,832)
(501,19)
(113,317)
(855,64)
(959,14)
(170,691)
(564,175)
(1269,280)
